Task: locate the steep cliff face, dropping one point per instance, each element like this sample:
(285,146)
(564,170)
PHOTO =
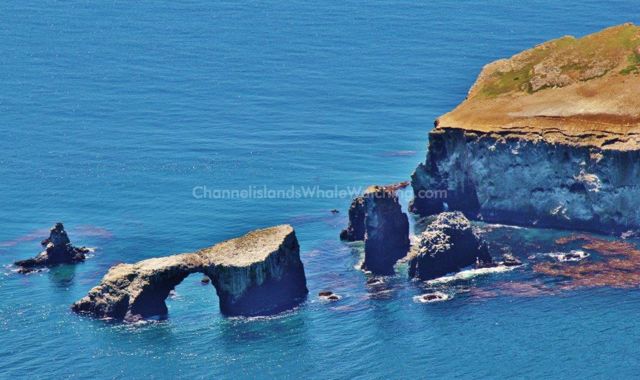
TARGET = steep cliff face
(257,274)
(386,230)
(355,229)
(377,218)
(549,137)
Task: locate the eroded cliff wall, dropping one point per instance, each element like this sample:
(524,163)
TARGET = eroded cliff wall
(514,180)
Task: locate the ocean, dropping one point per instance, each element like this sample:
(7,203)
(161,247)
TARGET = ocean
(113,114)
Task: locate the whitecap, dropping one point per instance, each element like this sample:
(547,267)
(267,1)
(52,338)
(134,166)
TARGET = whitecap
(432,297)
(574,255)
(471,273)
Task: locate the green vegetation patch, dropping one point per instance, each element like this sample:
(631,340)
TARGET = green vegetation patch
(634,64)
(601,52)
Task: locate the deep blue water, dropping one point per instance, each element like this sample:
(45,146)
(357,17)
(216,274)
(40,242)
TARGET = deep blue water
(112,112)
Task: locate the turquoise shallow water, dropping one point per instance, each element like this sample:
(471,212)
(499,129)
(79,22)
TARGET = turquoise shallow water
(111,113)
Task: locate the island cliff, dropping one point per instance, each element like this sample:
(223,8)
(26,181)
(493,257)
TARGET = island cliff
(259,273)
(549,137)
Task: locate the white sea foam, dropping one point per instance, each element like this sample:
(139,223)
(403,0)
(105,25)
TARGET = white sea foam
(498,225)
(437,297)
(574,255)
(471,273)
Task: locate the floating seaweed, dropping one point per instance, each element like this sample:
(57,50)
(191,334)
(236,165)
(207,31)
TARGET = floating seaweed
(620,267)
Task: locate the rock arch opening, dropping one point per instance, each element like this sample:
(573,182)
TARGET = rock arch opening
(194,297)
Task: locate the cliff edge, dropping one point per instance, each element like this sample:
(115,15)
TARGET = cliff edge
(581,92)
(549,137)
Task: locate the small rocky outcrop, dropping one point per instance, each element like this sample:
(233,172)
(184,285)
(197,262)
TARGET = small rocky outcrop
(57,250)
(355,229)
(328,295)
(259,273)
(386,230)
(448,244)
(509,260)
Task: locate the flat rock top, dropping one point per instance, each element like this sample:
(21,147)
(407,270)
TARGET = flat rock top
(243,251)
(583,92)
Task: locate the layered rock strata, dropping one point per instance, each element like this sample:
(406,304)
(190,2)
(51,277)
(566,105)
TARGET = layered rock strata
(259,273)
(549,137)
(447,245)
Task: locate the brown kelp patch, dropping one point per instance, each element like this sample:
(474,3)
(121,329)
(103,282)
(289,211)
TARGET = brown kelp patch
(619,267)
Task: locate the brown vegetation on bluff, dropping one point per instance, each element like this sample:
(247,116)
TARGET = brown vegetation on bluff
(575,91)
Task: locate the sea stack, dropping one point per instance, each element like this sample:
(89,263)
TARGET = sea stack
(448,244)
(57,250)
(355,229)
(549,137)
(259,273)
(386,230)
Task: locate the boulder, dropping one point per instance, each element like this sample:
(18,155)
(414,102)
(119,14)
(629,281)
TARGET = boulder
(328,296)
(510,260)
(259,273)
(57,250)
(448,244)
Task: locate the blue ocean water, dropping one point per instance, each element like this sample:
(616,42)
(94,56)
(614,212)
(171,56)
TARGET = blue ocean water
(112,112)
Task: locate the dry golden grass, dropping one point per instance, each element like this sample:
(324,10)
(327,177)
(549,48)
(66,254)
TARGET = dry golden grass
(575,91)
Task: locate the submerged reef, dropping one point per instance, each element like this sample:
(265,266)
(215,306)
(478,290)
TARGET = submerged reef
(57,250)
(549,137)
(259,273)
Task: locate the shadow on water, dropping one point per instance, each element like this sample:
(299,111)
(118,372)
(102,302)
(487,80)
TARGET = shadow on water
(62,276)
(288,326)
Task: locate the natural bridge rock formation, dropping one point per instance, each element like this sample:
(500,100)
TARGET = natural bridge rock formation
(548,137)
(57,250)
(447,245)
(259,273)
